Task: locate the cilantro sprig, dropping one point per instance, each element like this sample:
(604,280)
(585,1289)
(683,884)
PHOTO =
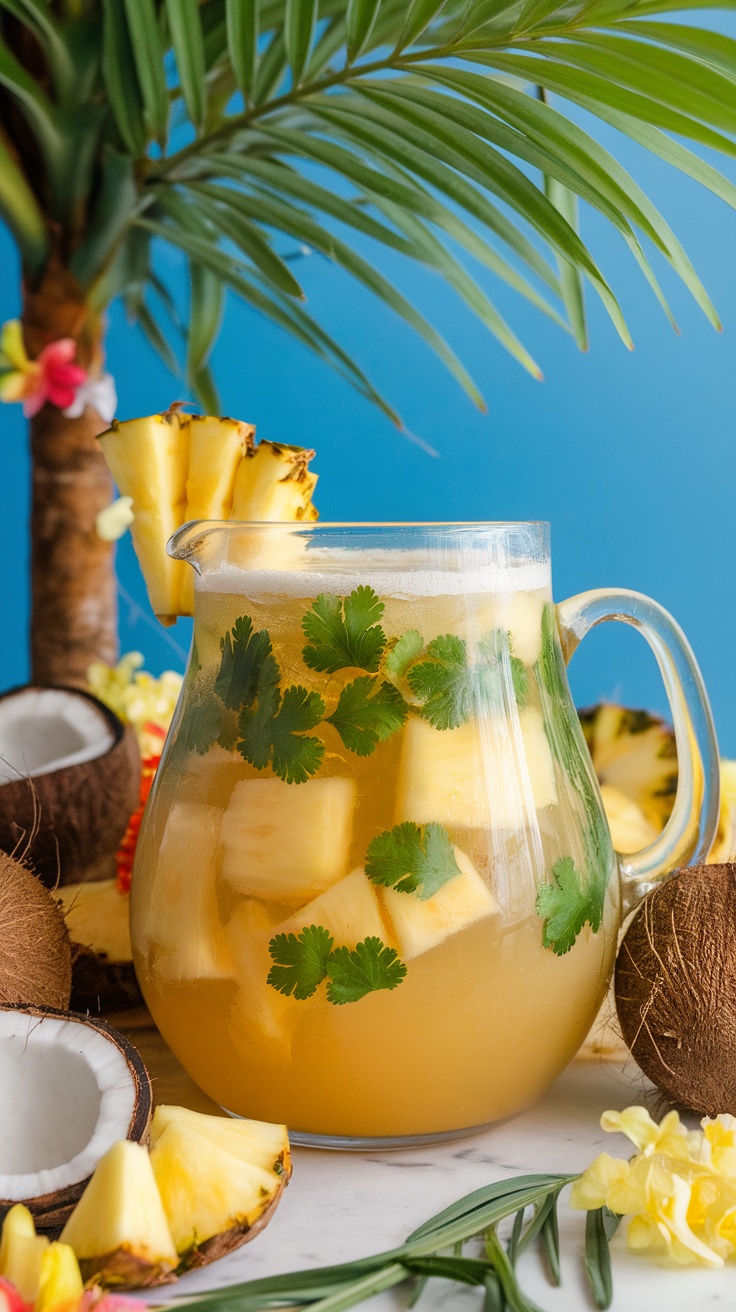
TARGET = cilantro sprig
(450,688)
(273,732)
(302,961)
(344,632)
(412,859)
(570,901)
(368,711)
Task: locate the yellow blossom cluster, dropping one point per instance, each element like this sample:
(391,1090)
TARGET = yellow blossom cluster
(137,697)
(678,1191)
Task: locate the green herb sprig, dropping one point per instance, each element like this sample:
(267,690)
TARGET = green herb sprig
(302,961)
(435,1250)
(570,901)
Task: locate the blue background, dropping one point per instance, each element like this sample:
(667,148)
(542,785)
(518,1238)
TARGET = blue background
(631,456)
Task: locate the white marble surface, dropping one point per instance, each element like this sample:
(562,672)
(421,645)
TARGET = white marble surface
(346,1205)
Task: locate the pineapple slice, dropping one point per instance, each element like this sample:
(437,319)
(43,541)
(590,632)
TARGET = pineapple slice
(420,925)
(182,919)
(724,843)
(261,1143)
(634,752)
(21,1252)
(216,1191)
(118,1229)
(630,829)
(349,911)
(149,461)
(285,844)
(273,484)
(464,778)
(216,449)
(261,1016)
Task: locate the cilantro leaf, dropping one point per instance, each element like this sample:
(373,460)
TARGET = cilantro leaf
(404,651)
(296,756)
(364,720)
(412,859)
(300,961)
(273,732)
(493,648)
(370,966)
(566,904)
(343,632)
(247,665)
(444,683)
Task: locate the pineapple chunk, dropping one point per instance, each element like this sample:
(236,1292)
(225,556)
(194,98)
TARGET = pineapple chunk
(60,1284)
(285,843)
(260,1015)
(634,752)
(118,1229)
(478,775)
(273,484)
(216,449)
(215,1191)
(349,911)
(630,829)
(260,1142)
(182,917)
(149,460)
(420,925)
(21,1252)
(523,619)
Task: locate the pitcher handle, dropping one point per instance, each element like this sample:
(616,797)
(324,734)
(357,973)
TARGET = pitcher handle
(689,833)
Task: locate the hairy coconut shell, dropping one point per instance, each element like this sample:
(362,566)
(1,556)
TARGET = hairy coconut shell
(51,1211)
(69,823)
(35,952)
(675,985)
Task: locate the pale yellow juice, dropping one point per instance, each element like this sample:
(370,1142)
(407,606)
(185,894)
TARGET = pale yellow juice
(467,1016)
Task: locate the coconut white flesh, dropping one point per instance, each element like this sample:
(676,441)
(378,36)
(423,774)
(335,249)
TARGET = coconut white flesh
(66,1094)
(47,729)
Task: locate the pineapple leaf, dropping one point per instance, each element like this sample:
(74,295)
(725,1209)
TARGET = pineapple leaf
(412,859)
(344,632)
(370,966)
(367,713)
(566,904)
(300,961)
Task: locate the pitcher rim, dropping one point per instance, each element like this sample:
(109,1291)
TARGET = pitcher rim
(188,532)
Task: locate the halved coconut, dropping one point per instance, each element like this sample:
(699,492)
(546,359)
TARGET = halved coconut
(97,916)
(70,1087)
(69,781)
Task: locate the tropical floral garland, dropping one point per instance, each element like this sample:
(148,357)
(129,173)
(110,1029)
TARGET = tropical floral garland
(53,378)
(147,703)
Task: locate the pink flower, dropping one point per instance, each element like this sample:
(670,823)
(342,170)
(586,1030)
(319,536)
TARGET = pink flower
(52,377)
(10,1299)
(57,379)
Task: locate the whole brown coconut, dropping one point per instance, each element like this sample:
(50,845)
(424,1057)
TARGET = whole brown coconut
(675,985)
(65,809)
(35,952)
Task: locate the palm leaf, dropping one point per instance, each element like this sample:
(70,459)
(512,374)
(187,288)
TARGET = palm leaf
(242,42)
(20,210)
(188,43)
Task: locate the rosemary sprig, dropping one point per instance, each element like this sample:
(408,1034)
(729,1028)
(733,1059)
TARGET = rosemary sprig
(435,1249)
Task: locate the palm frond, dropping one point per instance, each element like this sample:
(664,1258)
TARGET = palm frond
(422,130)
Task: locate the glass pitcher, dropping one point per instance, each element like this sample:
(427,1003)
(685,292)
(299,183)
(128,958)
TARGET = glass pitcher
(375,895)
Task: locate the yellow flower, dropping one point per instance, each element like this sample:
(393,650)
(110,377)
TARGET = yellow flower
(137,697)
(15,382)
(720,1141)
(112,522)
(593,1187)
(670,1136)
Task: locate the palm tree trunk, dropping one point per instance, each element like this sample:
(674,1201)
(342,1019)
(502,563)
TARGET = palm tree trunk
(73,590)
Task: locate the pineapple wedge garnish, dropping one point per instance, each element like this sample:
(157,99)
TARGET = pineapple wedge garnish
(181,920)
(179,467)
(634,752)
(216,448)
(273,483)
(219,1180)
(285,844)
(149,461)
(630,829)
(118,1229)
(420,924)
(349,911)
